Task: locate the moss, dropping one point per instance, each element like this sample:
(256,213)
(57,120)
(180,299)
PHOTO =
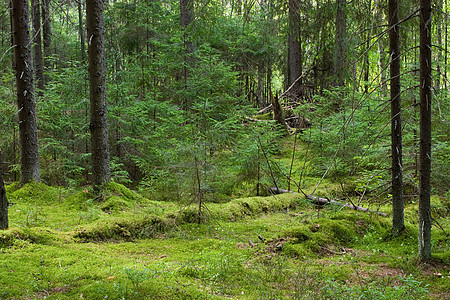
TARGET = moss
(439,207)
(10,188)
(127,229)
(118,189)
(18,237)
(114,203)
(9,237)
(36,192)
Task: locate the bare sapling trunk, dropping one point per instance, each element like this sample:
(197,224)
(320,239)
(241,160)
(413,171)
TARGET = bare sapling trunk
(425,131)
(3,199)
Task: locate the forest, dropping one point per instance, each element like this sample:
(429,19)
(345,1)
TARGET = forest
(237,149)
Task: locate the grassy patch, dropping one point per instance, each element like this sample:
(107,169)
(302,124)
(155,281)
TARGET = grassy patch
(67,244)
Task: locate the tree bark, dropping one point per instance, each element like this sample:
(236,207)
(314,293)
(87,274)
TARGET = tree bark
(97,87)
(439,25)
(81,31)
(278,115)
(341,40)
(295,67)
(3,199)
(398,223)
(46,34)
(425,131)
(186,19)
(37,45)
(29,152)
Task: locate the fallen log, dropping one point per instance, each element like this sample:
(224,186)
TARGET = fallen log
(324,201)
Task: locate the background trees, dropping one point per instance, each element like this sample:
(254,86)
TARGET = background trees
(244,52)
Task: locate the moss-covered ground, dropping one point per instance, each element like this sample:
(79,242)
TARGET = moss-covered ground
(69,244)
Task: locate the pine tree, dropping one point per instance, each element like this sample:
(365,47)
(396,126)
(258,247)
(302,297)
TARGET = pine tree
(29,152)
(97,85)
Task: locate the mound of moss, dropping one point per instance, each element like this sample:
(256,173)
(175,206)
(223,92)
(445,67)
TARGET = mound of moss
(19,237)
(119,229)
(323,236)
(35,192)
(239,208)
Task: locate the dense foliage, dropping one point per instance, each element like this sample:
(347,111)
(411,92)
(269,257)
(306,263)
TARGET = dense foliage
(184,123)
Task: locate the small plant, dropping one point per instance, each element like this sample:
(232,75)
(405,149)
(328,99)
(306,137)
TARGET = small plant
(409,289)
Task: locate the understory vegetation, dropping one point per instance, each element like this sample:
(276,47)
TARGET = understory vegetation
(197,152)
(69,243)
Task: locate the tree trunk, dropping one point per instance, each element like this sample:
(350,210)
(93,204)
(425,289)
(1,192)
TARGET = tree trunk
(445,44)
(29,152)
(278,115)
(186,19)
(398,223)
(97,87)
(425,131)
(46,34)
(3,199)
(439,25)
(379,19)
(37,45)
(341,41)
(295,48)
(81,31)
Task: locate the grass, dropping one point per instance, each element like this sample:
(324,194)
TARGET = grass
(67,244)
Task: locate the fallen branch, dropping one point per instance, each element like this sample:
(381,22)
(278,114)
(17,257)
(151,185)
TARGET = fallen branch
(324,201)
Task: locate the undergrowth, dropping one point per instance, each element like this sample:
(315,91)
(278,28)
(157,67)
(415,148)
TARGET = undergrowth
(67,244)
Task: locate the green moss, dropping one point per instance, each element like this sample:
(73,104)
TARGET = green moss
(10,188)
(115,203)
(122,191)
(117,229)
(37,193)
(439,207)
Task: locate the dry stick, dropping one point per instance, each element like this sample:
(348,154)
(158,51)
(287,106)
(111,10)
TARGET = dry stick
(346,196)
(412,15)
(199,191)
(292,160)
(268,163)
(365,189)
(304,161)
(292,85)
(259,175)
(378,135)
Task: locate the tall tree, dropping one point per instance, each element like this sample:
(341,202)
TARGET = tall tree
(379,18)
(425,131)
(295,47)
(97,86)
(340,56)
(186,13)
(46,33)
(37,45)
(81,30)
(29,152)
(398,223)
(3,199)
(186,19)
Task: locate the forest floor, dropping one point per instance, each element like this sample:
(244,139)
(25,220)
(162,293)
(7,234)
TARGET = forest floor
(67,244)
